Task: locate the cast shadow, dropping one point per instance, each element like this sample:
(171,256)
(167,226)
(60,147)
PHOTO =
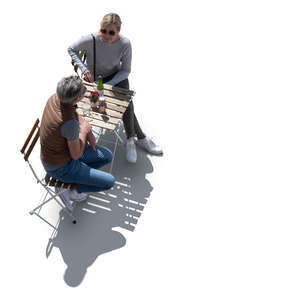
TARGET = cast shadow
(99,217)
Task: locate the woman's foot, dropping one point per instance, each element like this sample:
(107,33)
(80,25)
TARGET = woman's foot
(149,145)
(131,151)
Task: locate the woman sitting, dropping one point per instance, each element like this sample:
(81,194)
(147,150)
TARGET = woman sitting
(113,63)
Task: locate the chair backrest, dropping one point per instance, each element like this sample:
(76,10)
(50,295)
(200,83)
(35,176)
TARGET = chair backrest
(82,55)
(30,142)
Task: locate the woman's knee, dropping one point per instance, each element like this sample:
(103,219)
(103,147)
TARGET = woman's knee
(123,84)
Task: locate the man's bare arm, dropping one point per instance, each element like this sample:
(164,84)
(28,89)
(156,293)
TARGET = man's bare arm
(77,147)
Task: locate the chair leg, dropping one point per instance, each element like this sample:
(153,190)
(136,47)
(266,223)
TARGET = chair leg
(113,158)
(53,196)
(33,212)
(118,136)
(64,207)
(97,132)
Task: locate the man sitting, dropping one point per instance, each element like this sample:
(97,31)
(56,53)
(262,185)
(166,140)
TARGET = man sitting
(68,146)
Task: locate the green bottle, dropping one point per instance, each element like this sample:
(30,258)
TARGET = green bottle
(100,86)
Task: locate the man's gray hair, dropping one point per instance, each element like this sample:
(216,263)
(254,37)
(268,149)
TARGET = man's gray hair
(69,88)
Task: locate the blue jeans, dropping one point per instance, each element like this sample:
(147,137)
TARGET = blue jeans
(83,172)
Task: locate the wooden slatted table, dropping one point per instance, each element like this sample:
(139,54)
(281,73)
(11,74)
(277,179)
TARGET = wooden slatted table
(117,99)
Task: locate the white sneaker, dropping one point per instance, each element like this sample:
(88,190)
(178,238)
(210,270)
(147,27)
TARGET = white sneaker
(64,195)
(78,197)
(149,146)
(131,151)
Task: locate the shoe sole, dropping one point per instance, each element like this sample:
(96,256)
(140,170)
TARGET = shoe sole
(131,161)
(78,200)
(150,152)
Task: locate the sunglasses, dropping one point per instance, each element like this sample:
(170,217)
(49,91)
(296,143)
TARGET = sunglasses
(110,32)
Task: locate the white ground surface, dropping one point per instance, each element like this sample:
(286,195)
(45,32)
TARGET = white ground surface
(218,87)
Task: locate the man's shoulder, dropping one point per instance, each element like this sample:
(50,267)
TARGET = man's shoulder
(52,100)
(53,97)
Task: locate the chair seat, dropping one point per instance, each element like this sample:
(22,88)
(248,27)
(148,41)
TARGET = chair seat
(50,181)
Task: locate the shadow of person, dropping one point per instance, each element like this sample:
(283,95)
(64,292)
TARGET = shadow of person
(81,245)
(101,214)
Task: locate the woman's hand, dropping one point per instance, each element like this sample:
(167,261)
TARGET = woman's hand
(88,76)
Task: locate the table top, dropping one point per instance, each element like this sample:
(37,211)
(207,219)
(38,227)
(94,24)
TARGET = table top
(117,99)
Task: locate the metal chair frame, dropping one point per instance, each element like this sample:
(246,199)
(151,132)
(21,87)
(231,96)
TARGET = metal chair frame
(46,182)
(101,131)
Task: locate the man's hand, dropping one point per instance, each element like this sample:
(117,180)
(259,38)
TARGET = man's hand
(88,76)
(76,147)
(85,126)
(92,140)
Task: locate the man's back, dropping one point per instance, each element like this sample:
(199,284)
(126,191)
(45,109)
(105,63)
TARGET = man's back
(54,147)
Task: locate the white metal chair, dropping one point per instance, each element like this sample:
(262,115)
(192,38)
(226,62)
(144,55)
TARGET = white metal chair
(47,182)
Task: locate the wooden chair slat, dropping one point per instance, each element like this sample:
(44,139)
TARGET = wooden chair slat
(47,178)
(82,55)
(36,137)
(50,181)
(30,135)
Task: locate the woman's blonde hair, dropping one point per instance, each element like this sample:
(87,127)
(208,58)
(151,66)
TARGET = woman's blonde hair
(111,18)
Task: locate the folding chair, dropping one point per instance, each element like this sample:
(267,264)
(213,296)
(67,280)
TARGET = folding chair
(82,55)
(47,182)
